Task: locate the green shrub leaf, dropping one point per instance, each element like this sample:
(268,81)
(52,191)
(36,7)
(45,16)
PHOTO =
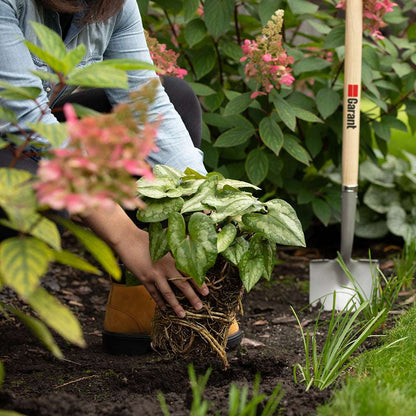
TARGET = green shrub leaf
(322,210)
(159,209)
(327,101)
(23,261)
(236,250)
(98,76)
(158,243)
(285,111)
(203,60)
(70,259)
(11,92)
(7,115)
(225,237)
(40,330)
(195,31)
(100,250)
(57,316)
(279,225)
(196,252)
(234,137)
(218,15)
(257,166)
(56,134)
(238,104)
(190,7)
(295,150)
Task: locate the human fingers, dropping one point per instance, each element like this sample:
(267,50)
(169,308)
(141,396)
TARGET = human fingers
(184,286)
(166,292)
(155,294)
(203,290)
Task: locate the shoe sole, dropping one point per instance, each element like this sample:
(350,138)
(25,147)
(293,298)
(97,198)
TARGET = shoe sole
(138,344)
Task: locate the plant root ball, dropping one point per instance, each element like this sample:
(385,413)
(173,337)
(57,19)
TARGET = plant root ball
(201,333)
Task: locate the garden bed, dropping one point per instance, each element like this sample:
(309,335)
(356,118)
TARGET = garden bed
(91,382)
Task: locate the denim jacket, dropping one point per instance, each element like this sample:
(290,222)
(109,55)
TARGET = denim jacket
(121,36)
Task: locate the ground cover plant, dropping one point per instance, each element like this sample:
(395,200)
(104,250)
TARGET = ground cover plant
(218,233)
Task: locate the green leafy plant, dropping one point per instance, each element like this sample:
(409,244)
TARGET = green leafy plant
(212,221)
(389,199)
(347,330)
(238,405)
(25,257)
(282,141)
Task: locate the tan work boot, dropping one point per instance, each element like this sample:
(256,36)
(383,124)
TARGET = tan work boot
(128,320)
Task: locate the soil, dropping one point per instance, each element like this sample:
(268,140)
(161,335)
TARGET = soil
(91,382)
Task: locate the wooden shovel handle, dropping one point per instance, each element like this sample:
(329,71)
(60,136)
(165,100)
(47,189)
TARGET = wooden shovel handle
(352,91)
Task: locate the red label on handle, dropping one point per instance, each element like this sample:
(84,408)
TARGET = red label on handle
(352,90)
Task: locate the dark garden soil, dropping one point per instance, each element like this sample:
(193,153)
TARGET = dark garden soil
(91,382)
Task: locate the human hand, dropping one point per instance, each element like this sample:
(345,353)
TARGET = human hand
(132,246)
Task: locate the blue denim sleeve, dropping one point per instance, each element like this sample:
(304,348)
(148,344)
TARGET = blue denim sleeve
(173,140)
(15,66)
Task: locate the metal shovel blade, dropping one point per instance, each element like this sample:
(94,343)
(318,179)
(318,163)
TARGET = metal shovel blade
(328,278)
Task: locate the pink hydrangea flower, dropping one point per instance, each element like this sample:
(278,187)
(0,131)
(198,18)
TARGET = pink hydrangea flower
(104,153)
(373,14)
(266,60)
(165,59)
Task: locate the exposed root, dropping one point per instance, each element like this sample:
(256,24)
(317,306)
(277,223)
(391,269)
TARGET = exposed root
(205,332)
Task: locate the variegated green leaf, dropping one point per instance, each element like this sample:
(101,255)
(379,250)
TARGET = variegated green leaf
(71,259)
(196,252)
(38,226)
(231,204)
(100,250)
(269,255)
(94,76)
(57,316)
(280,225)
(225,237)
(40,330)
(49,58)
(159,187)
(159,209)
(158,241)
(164,171)
(197,202)
(23,261)
(127,64)
(50,40)
(17,197)
(251,269)
(234,253)
(56,133)
(7,115)
(234,183)
(10,413)
(47,76)
(11,92)
(83,111)
(74,57)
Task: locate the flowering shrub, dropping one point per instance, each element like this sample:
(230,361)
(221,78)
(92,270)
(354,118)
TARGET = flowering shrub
(265,59)
(104,152)
(374,12)
(165,59)
(280,128)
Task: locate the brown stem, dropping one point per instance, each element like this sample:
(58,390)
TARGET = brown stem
(175,35)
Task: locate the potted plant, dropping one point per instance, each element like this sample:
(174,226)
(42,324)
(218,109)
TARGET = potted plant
(220,233)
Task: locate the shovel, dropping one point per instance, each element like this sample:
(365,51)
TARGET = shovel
(327,278)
